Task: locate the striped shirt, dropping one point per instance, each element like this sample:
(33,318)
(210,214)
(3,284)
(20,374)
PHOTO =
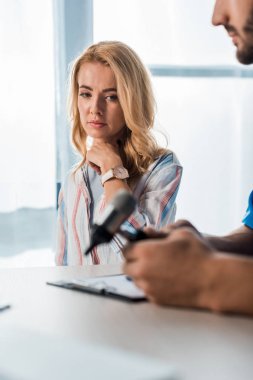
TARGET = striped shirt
(155,192)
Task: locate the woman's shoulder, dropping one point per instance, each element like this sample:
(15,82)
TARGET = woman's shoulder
(160,174)
(74,177)
(165,160)
(72,182)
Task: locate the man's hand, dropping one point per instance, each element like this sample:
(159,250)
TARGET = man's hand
(172,270)
(165,231)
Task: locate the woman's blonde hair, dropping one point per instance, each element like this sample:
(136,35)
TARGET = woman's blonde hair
(139,148)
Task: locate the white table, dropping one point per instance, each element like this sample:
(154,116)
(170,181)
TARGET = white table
(201,345)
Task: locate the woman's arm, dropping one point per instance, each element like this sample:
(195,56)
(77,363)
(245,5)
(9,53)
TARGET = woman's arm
(102,157)
(157,194)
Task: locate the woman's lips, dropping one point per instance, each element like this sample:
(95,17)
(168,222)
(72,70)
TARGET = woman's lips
(96,124)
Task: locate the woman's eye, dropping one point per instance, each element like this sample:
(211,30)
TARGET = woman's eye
(85,94)
(112,98)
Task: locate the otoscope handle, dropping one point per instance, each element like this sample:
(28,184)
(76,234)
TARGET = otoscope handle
(134,236)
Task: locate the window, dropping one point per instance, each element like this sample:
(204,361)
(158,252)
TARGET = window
(203,96)
(27,133)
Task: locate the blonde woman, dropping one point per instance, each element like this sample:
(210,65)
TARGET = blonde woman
(112,105)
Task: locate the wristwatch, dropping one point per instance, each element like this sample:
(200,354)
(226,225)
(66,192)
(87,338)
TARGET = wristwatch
(118,172)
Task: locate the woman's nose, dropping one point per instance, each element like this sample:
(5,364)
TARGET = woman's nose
(95,108)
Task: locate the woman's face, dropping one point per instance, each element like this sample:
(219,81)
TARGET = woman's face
(100,112)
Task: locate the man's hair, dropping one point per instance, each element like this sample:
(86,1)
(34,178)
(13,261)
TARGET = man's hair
(139,149)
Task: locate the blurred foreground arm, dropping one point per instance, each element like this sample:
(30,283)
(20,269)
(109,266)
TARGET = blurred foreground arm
(239,241)
(184,270)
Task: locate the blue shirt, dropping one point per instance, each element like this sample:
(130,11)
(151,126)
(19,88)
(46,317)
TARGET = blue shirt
(248,218)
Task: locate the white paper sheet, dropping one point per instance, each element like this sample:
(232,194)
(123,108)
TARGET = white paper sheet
(117,284)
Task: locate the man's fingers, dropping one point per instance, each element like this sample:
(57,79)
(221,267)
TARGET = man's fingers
(129,252)
(180,224)
(129,268)
(152,233)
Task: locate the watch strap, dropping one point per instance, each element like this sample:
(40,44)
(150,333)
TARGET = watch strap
(118,172)
(108,175)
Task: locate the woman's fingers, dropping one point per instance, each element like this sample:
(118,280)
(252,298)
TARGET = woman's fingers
(94,167)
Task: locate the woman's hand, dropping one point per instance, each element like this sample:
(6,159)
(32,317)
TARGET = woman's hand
(102,156)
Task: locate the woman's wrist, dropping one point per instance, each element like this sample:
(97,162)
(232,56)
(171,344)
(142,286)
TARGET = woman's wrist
(108,165)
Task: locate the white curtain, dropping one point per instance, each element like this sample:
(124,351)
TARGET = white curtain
(27,133)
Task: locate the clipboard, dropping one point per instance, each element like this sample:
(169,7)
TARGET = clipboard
(117,286)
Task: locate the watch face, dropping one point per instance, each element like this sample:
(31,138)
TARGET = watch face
(120,172)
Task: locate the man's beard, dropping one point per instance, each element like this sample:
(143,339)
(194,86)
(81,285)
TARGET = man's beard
(245,55)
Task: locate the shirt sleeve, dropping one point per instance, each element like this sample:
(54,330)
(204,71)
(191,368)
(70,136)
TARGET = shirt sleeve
(156,203)
(248,218)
